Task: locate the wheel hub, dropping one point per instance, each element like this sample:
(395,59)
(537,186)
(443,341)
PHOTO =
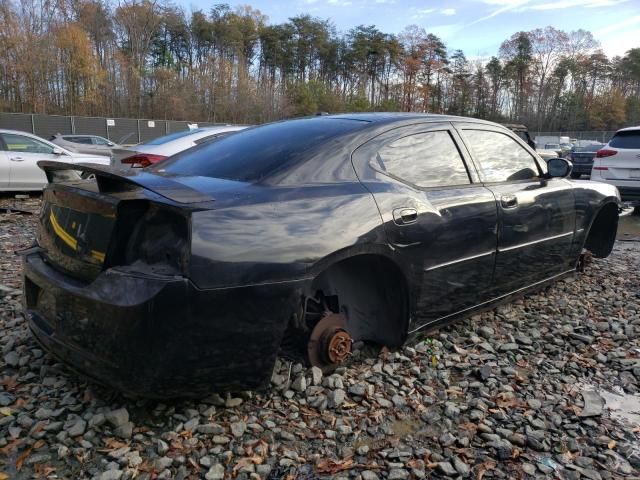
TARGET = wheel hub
(329,343)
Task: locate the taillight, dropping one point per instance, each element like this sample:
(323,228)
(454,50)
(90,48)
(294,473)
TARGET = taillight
(600,168)
(141,160)
(604,152)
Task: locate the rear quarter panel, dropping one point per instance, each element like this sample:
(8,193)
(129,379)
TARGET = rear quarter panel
(279,234)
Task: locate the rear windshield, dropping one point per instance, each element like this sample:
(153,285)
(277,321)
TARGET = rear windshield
(594,147)
(171,137)
(252,154)
(629,139)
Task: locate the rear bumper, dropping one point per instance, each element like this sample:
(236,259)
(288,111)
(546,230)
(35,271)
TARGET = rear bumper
(158,337)
(582,168)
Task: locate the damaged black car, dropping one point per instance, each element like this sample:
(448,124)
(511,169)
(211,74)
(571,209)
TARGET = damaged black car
(297,237)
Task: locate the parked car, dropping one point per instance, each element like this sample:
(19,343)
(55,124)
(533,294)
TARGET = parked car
(300,236)
(153,151)
(91,144)
(618,163)
(554,147)
(19,156)
(546,154)
(581,157)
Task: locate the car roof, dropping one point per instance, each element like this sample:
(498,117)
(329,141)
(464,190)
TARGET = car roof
(392,117)
(629,129)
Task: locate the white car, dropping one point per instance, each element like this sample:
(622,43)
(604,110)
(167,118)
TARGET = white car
(19,156)
(153,151)
(618,163)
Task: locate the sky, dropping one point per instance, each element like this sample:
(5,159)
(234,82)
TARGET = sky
(477,27)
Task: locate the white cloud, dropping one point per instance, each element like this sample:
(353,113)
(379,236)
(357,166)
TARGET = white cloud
(448,11)
(562,4)
(617,27)
(507,6)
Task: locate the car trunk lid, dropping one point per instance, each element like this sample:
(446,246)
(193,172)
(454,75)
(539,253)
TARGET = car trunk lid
(87,226)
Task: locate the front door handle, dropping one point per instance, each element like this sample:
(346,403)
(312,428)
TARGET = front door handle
(509,201)
(17,159)
(405,216)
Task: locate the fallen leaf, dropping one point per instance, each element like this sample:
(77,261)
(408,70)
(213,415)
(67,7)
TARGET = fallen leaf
(612,444)
(332,467)
(22,458)
(4,476)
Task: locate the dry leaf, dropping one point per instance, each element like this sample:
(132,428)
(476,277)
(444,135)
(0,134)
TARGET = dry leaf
(22,458)
(612,444)
(332,467)
(4,476)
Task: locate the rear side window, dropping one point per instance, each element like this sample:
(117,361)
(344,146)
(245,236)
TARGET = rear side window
(22,144)
(501,158)
(429,159)
(253,154)
(629,139)
(83,140)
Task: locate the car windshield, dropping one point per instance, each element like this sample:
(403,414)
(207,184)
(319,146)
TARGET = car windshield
(628,139)
(252,154)
(172,136)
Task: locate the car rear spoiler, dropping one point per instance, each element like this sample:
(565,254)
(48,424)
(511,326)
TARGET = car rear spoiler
(111,181)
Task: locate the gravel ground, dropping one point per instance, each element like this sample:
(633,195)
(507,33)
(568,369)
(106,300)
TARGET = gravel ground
(517,392)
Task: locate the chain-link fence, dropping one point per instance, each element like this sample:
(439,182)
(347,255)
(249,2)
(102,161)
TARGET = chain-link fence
(132,130)
(120,130)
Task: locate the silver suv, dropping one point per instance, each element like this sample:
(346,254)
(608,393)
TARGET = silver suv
(91,144)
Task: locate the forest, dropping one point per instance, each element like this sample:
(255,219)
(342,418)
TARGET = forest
(152,59)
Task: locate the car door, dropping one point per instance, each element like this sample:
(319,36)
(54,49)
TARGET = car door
(23,153)
(439,221)
(537,218)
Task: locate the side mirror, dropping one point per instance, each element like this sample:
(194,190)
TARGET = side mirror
(57,151)
(559,167)
(110,144)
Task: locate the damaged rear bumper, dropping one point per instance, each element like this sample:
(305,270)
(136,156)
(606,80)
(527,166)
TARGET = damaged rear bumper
(158,336)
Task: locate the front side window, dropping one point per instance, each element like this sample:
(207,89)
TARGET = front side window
(21,144)
(429,159)
(501,158)
(100,141)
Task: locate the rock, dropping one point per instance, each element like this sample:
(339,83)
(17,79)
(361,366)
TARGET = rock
(78,428)
(486,332)
(369,475)
(124,431)
(299,384)
(111,475)
(358,389)
(233,402)
(447,469)
(447,439)
(593,404)
(12,359)
(316,376)
(118,417)
(162,447)
(238,428)
(398,474)
(216,472)
(362,449)
(461,467)
(336,397)
(582,338)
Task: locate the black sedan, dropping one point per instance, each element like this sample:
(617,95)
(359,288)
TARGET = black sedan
(297,237)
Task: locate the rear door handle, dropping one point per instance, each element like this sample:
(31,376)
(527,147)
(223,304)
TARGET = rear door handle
(509,201)
(405,216)
(17,159)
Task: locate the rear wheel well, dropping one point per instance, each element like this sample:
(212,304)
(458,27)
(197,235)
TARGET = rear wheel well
(369,290)
(372,292)
(602,233)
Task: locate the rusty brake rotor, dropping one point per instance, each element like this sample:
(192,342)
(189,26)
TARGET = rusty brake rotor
(329,343)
